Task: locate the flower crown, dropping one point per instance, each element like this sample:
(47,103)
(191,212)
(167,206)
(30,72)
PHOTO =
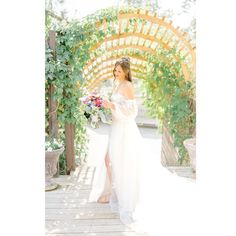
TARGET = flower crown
(125,59)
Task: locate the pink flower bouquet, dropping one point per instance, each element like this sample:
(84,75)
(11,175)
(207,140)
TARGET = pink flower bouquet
(94,111)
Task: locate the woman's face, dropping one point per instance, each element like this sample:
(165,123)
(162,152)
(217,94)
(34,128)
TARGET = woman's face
(119,73)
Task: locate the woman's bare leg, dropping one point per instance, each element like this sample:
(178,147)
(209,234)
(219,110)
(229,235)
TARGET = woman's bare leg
(105,198)
(108,165)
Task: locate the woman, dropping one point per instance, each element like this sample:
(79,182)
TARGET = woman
(122,158)
(126,169)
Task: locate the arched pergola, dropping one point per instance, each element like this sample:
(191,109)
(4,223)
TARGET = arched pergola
(137,33)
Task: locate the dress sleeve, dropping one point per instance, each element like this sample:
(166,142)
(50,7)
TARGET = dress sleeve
(125,108)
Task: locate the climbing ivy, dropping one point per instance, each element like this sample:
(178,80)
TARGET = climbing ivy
(164,82)
(73,42)
(170,98)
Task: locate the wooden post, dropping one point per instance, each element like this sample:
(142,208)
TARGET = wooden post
(70,148)
(169,154)
(52,104)
(193,109)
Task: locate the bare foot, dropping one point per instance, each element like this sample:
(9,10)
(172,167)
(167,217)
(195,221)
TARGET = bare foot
(104,199)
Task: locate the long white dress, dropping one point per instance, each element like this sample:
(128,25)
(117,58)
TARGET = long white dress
(124,160)
(130,181)
(124,157)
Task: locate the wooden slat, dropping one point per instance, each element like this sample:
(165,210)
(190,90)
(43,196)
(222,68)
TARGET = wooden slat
(97,234)
(90,211)
(142,26)
(126,25)
(81,215)
(75,205)
(135,26)
(164,34)
(149,30)
(119,29)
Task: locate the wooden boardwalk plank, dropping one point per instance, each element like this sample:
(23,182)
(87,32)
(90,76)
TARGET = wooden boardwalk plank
(77,228)
(80,215)
(96,234)
(81,210)
(78,206)
(68,222)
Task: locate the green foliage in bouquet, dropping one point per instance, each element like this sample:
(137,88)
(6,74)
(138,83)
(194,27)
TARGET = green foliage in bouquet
(95,112)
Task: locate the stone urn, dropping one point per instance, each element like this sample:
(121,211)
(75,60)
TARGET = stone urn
(51,160)
(190,145)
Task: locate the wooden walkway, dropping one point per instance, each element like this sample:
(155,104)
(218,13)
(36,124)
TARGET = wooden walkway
(68,212)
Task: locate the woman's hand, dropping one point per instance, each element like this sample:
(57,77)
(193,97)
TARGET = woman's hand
(108,104)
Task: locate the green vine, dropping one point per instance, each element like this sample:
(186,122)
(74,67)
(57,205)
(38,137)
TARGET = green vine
(167,90)
(169,98)
(73,44)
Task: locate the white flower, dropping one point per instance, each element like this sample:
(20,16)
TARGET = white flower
(95,118)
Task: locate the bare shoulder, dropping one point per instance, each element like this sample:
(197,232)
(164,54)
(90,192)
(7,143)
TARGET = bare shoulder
(128,90)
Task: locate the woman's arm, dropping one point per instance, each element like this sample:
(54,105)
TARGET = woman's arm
(128,91)
(127,107)
(108,104)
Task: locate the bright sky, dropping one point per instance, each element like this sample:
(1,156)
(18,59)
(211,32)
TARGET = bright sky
(81,8)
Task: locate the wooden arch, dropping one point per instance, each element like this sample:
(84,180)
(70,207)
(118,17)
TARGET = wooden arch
(138,31)
(106,66)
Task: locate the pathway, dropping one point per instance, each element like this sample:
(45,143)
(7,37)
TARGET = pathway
(68,212)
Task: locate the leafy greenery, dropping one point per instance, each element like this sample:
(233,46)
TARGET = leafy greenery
(73,42)
(170,98)
(52,144)
(168,92)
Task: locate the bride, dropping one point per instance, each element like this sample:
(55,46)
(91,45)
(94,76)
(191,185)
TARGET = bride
(120,176)
(122,160)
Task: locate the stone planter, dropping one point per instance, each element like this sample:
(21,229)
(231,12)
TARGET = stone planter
(51,160)
(190,145)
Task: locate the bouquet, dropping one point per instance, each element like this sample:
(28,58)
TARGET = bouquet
(94,111)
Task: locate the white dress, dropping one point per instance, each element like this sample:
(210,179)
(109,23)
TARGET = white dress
(124,157)
(128,156)
(124,160)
